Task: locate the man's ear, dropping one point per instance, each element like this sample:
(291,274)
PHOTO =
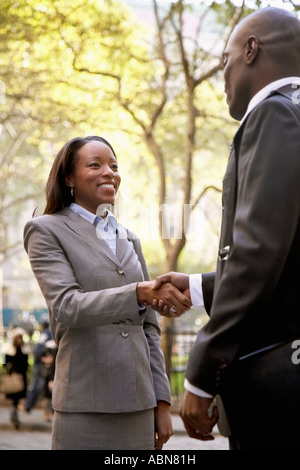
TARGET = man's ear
(252,49)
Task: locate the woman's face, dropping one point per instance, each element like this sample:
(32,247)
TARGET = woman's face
(96,178)
(18,340)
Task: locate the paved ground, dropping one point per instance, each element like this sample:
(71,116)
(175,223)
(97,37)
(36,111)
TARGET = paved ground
(35,434)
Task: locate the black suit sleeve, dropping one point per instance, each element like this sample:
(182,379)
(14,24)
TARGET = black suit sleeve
(208,282)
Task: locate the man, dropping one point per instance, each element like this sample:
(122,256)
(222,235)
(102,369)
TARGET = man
(244,353)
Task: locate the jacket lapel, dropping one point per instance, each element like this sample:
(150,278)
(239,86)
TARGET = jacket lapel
(229,195)
(125,247)
(86,230)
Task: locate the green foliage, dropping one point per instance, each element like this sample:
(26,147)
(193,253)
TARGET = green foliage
(46,101)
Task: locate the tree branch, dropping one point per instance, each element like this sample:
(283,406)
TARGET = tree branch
(204,191)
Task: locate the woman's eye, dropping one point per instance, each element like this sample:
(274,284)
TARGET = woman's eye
(115,167)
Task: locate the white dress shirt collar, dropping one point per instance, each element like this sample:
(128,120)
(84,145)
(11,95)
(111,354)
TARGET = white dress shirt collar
(264,92)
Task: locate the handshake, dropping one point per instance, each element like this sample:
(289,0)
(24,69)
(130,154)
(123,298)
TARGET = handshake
(169,294)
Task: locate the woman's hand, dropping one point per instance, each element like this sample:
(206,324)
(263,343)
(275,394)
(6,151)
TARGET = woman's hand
(163,424)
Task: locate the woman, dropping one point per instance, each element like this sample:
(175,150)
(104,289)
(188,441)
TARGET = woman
(110,388)
(16,360)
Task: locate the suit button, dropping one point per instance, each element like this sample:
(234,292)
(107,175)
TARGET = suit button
(124,334)
(120,271)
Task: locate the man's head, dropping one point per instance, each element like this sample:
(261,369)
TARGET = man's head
(263,47)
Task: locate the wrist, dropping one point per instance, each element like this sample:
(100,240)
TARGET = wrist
(162,404)
(141,292)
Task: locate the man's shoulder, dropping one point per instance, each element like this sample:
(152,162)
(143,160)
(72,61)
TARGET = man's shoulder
(285,97)
(281,102)
(289,92)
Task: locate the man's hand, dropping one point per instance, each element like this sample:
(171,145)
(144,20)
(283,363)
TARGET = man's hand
(195,416)
(178,280)
(174,301)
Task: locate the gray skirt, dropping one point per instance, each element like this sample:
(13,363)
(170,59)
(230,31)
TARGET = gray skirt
(101,431)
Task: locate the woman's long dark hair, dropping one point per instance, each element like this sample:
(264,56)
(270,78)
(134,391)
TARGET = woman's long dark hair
(58,194)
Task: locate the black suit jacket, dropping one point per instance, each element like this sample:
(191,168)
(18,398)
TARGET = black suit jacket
(254,297)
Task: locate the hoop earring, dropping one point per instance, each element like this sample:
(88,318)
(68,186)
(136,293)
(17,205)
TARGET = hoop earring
(72,191)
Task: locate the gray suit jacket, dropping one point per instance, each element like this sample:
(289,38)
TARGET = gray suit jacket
(109,357)
(254,298)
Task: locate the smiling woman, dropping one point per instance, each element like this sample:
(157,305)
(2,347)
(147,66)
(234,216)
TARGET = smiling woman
(97,288)
(95,179)
(80,157)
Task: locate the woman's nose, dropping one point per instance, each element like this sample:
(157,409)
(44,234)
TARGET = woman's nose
(106,170)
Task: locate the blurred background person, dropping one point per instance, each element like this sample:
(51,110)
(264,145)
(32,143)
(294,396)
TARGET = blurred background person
(47,370)
(16,360)
(38,380)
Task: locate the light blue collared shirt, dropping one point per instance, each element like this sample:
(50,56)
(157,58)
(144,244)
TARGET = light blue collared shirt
(106,228)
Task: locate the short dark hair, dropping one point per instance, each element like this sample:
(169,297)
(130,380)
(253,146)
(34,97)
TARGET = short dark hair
(58,194)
